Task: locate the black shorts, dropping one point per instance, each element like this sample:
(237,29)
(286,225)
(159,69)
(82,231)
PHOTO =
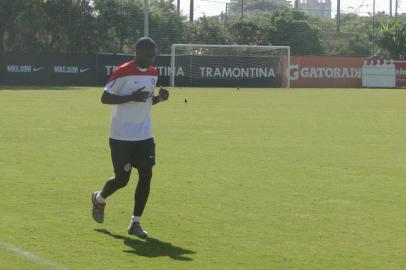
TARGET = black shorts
(128,154)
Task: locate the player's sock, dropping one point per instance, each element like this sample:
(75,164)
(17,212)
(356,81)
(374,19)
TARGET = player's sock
(100,199)
(135,219)
(136,229)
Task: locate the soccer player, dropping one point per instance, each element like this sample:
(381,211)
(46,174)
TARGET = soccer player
(130,90)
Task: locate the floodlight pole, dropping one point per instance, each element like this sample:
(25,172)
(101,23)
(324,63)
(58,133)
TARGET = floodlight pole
(242,11)
(338,16)
(146,20)
(373,28)
(227,8)
(191,10)
(390,8)
(241,20)
(396,7)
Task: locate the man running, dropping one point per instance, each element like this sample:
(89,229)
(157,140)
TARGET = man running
(130,90)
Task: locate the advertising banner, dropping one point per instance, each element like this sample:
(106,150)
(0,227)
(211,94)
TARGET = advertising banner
(50,69)
(400,74)
(95,69)
(68,69)
(326,71)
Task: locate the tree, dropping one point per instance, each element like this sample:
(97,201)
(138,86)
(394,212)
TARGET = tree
(291,28)
(393,39)
(115,25)
(70,26)
(19,22)
(257,7)
(166,25)
(119,24)
(8,11)
(209,30)
(251,32)
(52,25)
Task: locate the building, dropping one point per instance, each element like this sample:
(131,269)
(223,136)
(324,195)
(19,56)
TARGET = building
(316,7)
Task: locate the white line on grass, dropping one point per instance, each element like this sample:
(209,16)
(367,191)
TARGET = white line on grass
(34,258)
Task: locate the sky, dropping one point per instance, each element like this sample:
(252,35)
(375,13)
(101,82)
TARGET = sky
(214,7)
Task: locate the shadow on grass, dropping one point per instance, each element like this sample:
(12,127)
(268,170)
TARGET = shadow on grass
(151,247)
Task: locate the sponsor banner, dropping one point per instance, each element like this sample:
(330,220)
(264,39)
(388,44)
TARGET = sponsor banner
(231,71)
(73,69)
(400,73)
(55,69)
(325,71)
(69,69)
(15,67)
(95,69)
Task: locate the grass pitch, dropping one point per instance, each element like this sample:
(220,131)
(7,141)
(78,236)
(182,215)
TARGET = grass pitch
(248,179)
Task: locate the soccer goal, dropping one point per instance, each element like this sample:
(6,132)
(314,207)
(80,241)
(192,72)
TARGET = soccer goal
(230,65)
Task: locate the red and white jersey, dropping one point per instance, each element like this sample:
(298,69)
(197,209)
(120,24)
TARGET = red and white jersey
(131,121)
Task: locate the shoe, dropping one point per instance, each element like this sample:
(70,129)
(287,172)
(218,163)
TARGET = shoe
(98,209)
(136,229)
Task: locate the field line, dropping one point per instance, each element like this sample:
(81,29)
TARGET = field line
(32,257)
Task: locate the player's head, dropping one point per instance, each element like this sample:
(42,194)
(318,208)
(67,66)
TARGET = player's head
(145,52)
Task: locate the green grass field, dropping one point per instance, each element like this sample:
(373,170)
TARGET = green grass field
(248,179)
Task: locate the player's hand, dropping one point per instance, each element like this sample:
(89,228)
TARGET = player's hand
(163,94)
(139,96)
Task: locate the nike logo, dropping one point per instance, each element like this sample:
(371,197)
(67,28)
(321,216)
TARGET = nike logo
(37,69)
(84,69)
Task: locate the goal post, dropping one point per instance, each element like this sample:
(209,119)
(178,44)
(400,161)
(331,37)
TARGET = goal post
(230,65)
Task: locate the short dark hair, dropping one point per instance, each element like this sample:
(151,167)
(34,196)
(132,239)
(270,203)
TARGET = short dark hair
(145,43)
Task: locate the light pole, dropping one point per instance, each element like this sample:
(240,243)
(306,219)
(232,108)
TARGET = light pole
(191,10)
(241,20)
(396,7)
(242,11)
(373,28)
(390,8)
(146,5)
(227,10)
(338,16)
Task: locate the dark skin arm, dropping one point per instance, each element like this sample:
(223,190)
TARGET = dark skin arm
(137,96)
(163,95)
(111,99)
(155,100)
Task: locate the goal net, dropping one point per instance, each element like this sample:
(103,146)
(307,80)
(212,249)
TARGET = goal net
(230,65)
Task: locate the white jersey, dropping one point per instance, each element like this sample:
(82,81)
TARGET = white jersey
(131,121)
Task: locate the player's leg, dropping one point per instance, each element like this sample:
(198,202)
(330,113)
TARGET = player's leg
(142,190)
(140,200)
(145,160)
(121,156)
